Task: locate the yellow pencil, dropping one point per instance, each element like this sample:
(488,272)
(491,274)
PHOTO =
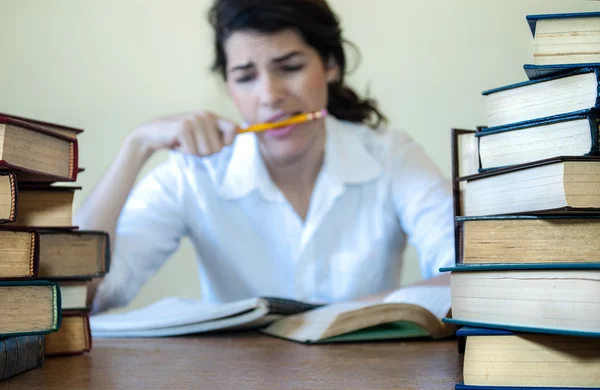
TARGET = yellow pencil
(301,118)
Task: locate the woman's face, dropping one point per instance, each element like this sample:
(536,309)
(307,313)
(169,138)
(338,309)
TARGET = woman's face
(272,77)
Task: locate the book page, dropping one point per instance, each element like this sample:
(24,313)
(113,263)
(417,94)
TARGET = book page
(436,299)
(169,312)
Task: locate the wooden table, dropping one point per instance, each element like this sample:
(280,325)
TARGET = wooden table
(249,361)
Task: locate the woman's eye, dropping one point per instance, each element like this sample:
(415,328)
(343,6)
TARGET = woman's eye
(244,78)
(293,68)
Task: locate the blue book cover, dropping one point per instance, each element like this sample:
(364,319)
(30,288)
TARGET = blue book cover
(462,386)
(520,266)
(538,71)
(522,329)
(477,331)
(577,71)
(533,19)
(592,115)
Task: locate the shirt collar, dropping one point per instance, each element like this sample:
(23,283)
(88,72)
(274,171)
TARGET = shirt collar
(346,161)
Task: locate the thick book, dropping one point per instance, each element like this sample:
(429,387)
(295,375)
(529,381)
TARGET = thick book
(20,354)
(73,254)
(19,253)
(72,338)
(29,307)
(525,239)
(8,197)
(557,185)
(543,98)
(566,38)
(495,357)
(565,135)
(29,147)
(540,298)
(44,206)
(28,252)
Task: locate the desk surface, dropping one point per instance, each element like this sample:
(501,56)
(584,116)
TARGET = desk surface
(248,360)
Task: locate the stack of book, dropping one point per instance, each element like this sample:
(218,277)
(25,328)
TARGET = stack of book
(45,262)
(526,283)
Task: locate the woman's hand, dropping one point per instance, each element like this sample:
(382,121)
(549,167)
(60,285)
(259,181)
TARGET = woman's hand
(198,133)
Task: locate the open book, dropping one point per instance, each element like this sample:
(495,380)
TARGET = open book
(408,312)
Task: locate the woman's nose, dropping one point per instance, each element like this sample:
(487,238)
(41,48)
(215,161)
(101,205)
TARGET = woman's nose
(272,91)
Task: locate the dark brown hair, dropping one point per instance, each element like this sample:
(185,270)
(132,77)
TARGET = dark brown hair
(318,26)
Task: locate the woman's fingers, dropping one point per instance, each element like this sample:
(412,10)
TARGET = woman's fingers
(228,129)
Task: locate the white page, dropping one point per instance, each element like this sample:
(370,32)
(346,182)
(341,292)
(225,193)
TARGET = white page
(169,312)
(436,299)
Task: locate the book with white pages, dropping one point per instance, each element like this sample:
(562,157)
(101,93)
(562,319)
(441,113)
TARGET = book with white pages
(173,316)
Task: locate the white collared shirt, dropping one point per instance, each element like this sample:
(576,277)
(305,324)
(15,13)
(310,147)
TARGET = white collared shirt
(375,191)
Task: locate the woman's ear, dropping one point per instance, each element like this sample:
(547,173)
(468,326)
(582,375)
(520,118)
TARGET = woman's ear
(332,70)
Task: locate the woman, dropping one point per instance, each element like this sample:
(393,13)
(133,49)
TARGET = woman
(320,211)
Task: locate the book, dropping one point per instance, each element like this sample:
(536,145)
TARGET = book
(43,206)
(8,197)
(548,298)
(464,162)
(503,358)
(20,354)
(29,307)
(68,131)
(19,253)
(567,38)
(410,312)
(534,72)
(564,135)
(543,98)
(73,295)
(35,178)
(406,313)
(174,316)
(522,239)
(28,147)
(72,338)
(556,185)
(52,254)
(73,254)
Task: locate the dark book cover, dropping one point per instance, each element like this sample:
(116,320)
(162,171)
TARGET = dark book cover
(20,354)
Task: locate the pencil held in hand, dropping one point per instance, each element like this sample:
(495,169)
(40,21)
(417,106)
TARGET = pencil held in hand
(301,118)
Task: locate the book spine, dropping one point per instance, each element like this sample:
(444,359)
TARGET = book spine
(595,130)
(35,254)
(20,354)
(74,160)
(12,215)
(460,242)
